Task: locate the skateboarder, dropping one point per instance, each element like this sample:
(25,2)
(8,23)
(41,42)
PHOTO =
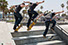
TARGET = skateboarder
(31,11)
(49,19)
(17,15)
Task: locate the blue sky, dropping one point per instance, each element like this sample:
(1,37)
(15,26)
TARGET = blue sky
(48,4)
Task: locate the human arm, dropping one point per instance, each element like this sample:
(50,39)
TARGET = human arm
(59,12)
(27,2)
(42,15)
(40,2)
(12,7)
(24,5)
(39,16)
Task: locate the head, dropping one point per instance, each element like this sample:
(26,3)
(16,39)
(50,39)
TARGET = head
(30,3)
(23,3)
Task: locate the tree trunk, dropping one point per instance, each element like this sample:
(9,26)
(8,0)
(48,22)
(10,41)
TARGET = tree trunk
(3,14)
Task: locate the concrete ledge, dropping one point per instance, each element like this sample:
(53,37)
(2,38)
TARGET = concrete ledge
(34,36)
(28,33)
(33,39)
(61,34)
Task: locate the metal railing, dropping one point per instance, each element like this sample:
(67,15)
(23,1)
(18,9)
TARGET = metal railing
(62,30)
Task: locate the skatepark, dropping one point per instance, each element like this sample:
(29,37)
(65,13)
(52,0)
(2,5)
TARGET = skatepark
(33,22)
(32,37)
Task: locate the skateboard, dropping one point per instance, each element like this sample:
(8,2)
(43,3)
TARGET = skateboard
(18,27)
(49,37)
(53,30)
(32,24)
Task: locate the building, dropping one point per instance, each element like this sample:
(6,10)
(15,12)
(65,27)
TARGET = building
(67,17)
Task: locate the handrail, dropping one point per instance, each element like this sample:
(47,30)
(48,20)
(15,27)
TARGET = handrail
(62,29)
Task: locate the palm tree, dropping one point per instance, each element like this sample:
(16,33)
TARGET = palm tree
(63,15)
(52,10)
(67,7)
(24,12)
(62,5)
(6,11)
(38,11)
(3,6)
(26,8)
(67,10)
(47,11)
(67,2)
(41,8)
(44,12)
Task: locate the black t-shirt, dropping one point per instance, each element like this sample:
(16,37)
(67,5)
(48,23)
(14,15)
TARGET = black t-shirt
(49,16)
(33,5)
(53,14)
(18,8)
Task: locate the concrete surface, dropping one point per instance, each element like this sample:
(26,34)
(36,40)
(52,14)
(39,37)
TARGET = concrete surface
(5,35)
(7,28)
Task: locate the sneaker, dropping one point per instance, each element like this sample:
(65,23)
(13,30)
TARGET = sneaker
(15,31)
(35,21)
(14,27)
(44,36)
(27,28)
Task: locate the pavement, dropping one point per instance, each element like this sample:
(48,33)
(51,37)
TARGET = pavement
(5,36)
(7,28)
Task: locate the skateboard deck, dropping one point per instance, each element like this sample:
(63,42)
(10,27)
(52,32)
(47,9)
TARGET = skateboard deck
(18,27)
(53,30)
(32,24)
(49,37)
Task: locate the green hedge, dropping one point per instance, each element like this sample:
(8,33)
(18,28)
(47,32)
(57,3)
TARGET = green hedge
(10,20)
